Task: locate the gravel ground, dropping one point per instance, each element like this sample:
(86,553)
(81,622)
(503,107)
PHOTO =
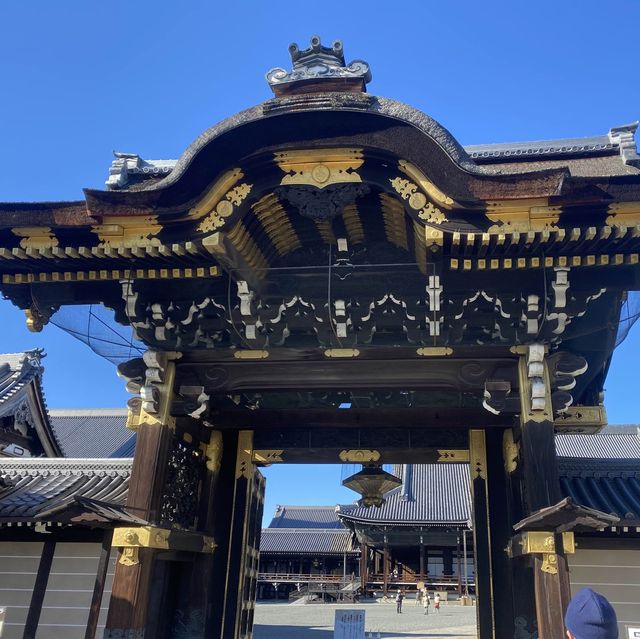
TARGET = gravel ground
(315,621)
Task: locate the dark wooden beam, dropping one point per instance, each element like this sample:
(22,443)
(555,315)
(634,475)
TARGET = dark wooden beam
(331,456)
(39,590)
(311,370)
(365,418)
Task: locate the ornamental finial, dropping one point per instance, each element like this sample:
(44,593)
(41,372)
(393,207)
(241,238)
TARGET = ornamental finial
(319,69)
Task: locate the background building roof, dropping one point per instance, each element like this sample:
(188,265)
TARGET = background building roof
(22,398)
(96,432)
(306,541)
(305,517)
(437,494)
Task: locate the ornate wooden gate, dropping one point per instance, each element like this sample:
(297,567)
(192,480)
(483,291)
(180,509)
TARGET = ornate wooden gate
(331,248)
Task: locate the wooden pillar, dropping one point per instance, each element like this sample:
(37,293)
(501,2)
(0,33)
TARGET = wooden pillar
(458,565)
(422,568)
(364,552)
(447,561)
(39,590)
(426,562)
(481,534)
(98,587)
(542,485)
(238,512)
(132,582)
(385,567)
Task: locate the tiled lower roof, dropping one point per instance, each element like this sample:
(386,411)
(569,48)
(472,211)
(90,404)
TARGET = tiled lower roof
(40,485)
(305,517)
(305,541)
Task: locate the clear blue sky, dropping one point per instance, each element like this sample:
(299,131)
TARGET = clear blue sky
(80,79)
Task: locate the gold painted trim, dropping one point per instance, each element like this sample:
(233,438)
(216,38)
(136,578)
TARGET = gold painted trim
(426,185)
(353,224)
(128,231)
(342,352)
(393,217)
(477,454)
(623,214)
(539,542)
(453,456)
(360,456)
(320,167)
(417,200)
(510,451)
(581,418)
(267,456)
(113,274)
(434,351)
(135,537)
(163,416)
(251,354)
(244,463)
(213,451)
(35,237)
(522,216)
(560,261)
(276,224)
(215,193)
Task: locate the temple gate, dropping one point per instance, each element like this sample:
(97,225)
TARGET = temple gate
(330,276)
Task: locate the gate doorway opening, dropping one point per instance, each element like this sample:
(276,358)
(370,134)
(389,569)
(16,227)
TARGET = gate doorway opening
(317,559)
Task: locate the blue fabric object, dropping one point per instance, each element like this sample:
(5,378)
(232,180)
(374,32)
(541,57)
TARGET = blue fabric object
(590,616)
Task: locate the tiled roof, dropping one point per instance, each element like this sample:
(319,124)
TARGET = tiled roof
(129,170)
(98,432)
(305,517)
(610,443)
(40,485)
(306,541)
(439,494)
(609,485)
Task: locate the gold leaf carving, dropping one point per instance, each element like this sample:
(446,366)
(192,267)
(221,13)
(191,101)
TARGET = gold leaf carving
(35,237)
(417,200)
(320,167)
(225,207)
(128,232)
(426,185)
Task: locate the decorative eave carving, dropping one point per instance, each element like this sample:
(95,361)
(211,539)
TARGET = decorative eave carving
(319,69)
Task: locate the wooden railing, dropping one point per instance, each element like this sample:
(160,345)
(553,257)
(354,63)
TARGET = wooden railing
(442,580)
(282,577)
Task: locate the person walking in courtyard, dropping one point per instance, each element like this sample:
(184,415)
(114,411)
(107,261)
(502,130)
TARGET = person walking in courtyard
(399,599)
(590,616)
(426,601)
(436,602)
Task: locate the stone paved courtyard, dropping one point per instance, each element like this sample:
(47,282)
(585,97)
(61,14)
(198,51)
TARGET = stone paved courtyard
(315,621)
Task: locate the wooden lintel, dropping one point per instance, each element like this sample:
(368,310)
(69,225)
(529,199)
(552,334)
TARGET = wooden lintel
(366,418)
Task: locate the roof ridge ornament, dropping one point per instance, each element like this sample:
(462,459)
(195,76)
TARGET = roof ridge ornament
(319,69)
(624,137)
